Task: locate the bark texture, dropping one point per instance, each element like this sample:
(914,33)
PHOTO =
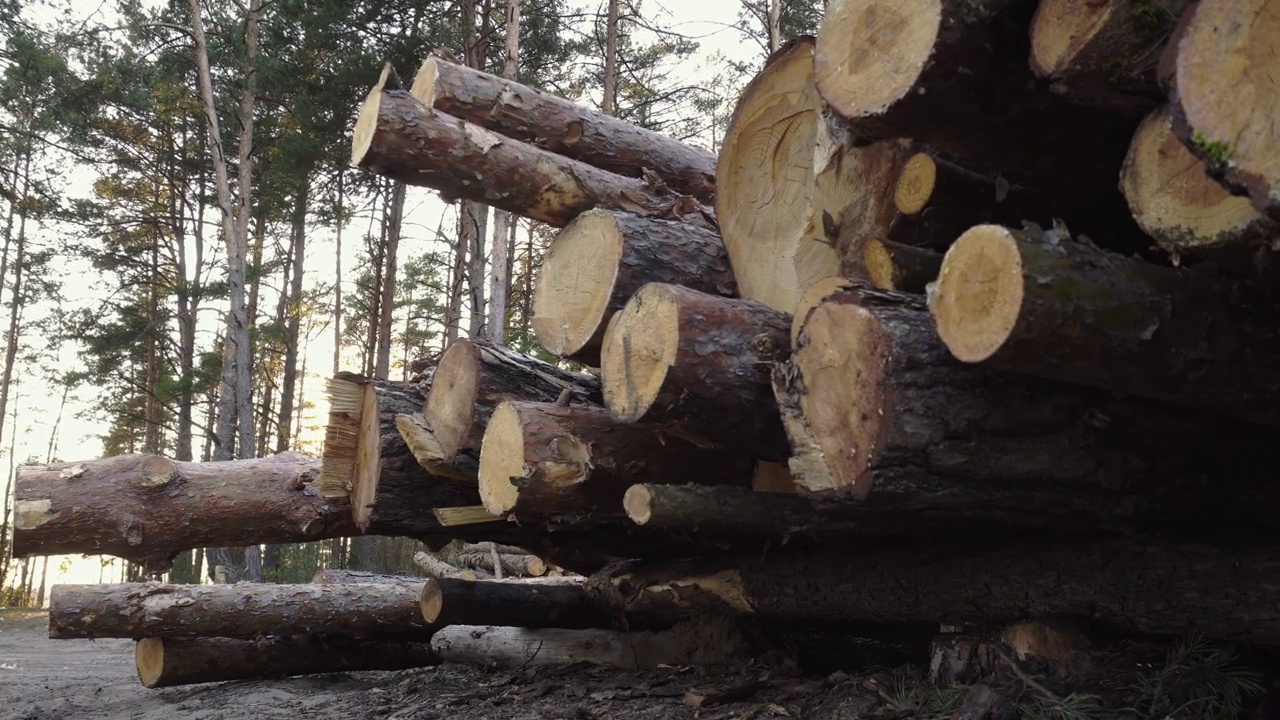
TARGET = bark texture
(698,366)
(460,602)
(563,127)
(597,262)
(346,577)
(146,508)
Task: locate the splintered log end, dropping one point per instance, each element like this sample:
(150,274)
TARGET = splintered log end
(341,435)
(428,452)
(502,460)
(576,284)
(450,406)
(638,504)
(432,601)
(977,301)
(812,298)
(870,54)
(915,184)
(367,121)
(767,199)
(424,83)
(1226,94)
(1175,201)
(639,350)
(148,656)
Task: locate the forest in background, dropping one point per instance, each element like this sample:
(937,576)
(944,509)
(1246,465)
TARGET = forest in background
(180,230)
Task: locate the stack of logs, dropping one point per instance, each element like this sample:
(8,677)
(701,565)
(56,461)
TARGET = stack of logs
(960,327)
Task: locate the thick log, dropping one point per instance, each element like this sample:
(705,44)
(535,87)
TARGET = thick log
(398,137)
(544,460)
(698,365)
(147,508)
(1175,201)
(598,261)
(332,576)
(953,75)
(519,565)
(169,662)
(559,605)
(1225,94)
(783,179)
(879,410)
(475,376)
(532,116)
(1104,54)
(1041,303)
(1224,590)
(892,266)
(242,610)
(706,641)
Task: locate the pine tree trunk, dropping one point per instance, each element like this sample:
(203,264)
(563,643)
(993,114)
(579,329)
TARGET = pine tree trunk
(289,382)
(609,101)
(393,215)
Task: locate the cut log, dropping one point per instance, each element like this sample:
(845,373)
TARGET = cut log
(523,113)
(1104,53)
(707,641)
(1225,95)
(892,266)
(1136,585)
(522,565)
(1176,202)
(242,610)
(559,605)
(474,376)
(721,510)
(169,662)
(1044,304)
(146,508)
(542,460)
(598,261)
(698,366)
(463,467)
(879,410)
(398,137)
(332,576)
(953,75)
(437,568)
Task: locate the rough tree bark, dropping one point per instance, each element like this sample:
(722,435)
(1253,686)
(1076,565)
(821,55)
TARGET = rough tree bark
(461,602)
(598,261)
(698,366)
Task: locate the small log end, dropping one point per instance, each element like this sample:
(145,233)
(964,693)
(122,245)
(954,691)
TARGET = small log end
(148,657)
(431,602)
(501,459)
(915,184)
(639,349)
(637,503)
(424,83)
(977,299)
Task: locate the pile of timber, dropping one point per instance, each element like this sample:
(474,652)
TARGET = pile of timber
(969,320)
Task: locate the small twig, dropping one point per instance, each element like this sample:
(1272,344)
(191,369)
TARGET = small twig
(1027,679)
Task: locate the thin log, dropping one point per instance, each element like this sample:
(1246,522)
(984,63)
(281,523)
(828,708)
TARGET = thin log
(147,509)
(1175,201)
(523,113)
(398,137)
(242,610)
(892,266)
(1135,585)
(1063,309)
(1225,94)
(598,261)
(518,565)
(559,605)
(1104,54)
(953,75)
(543,460)
(170,662)
(698,365)
(437,568)
(331,576)
(475,376)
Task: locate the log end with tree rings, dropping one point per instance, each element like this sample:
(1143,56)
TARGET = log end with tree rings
(1175,201)
(450,407)
(501,460)
(977,300)
(640,349)
(367,121)
(869,54)
(424,82)
(915,185)
(148,656)
(576,284)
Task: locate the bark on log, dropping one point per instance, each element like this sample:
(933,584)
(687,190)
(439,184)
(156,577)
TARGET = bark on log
(568,605)
(704,642)
(542,460)
(475,376)
(893,266)
(532,116)
(1175,201)
(463,467)
(435,567)
(953,75)
(1224,590)
(169,662)
(518,565)
(398,137)
(242,610)
(347,577)
(698,365)
(1225,95)
(1042,304)
(1104,54)
(597,262)
(879,410)
(147,508)
(784,177)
